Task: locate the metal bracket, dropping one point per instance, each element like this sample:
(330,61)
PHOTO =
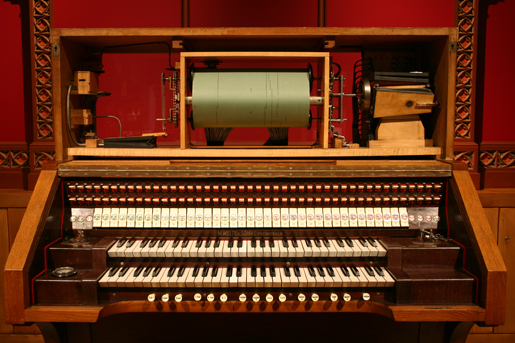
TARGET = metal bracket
(55,49)
(453,47)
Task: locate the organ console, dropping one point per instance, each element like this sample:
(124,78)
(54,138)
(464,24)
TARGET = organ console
(130,236)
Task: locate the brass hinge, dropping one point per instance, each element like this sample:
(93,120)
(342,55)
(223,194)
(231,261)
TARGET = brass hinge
(453,47)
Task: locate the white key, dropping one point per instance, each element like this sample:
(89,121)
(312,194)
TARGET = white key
(285,217)
(297,251)
(130,247)
(276,217)
(145,251)
(319,217)
(190,217)
(267,250)
(97,217)
(103,280)
(324,251)
(242,217)
(113,250)
(185,252)
(169,250)
(156,217)
(172,280)
(224,280)
(335,212)
(181,218)
(390,282)
(217,218)
(294,279)
(252,251)
(362,216)
(363,281)
(403,214)
(234,250)
(181,279)
(135,250)
(276,251)
(267,217)
(381,281)
(260,280)
(317,252)
(337,280)
(138,280)
(381,249)
(147,217)
(226,251)
(333,251)
(373,250)
(328,217)
(165,217)
(161,251)
(340,250)
(233,279)
(233,217)
(106,217)
(242,251)
(356,250)
(268,280)
(190,278)
(224,217)
(113,221)
(157,274)
(242,280)
(276,280)
(387,217)
(353,217)
(370,218)
(329,280)
(208,218)
(302,279)
(250,217)
(194,249)
(218,250)
(301,216)
(199,217)
(163,281)
(122,279)
(258,216)
(147,280)
(372,281)
(346,281)
(174,217)
(153,250)
(311,279)
(344,217)
(285,280)
(199,279)
(396,220)
(251,280)
(293,217)
(283,252)
(378,217)
(308,251)
(365,251)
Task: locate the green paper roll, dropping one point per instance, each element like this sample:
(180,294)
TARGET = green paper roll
(228,98)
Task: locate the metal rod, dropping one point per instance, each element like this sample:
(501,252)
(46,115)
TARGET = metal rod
(185,13)
(322,9)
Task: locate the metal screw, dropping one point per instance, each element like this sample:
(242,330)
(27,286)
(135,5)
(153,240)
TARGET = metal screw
(507,238)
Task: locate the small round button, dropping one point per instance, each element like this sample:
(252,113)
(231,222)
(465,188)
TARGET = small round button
(315,297)
(242,297)
(178,298)
(151,297)
(333,297)
(366,296)
(210,297)
(256,297)
(301,297)
(282,298)
(269,297)
(223,297)
(197,296)
(165,297)
(346,297)
(73,219)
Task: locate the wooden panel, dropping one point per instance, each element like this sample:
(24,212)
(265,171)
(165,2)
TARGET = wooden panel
(507,248)
(4,251)
(14,198)
(21,338)
(497,197)
(15,217)
(482,338)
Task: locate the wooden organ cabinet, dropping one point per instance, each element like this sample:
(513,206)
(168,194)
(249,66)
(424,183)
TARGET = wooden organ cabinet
(194,242)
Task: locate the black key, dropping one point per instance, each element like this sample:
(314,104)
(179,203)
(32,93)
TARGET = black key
(231,243)
(355,271)
(240,243)
(185,242)
(349,242)
(238,271)
(229,271)
(285,243)
(215,271)
(272,271)
(263,271)
(171,271)
(253,243)
(162,243)
(287,272)
(147,271)
(153,242)
(308,242)
(379,271)
(253,271)
(311,271)
(345,271)
(326,242)
(372,242)
(208,242)
(217,243)
(130,243)
(121,242)
(199,243)
(143,243)
(123,271)
(294,242)
(138,271)
(113,271)
(262,242)
(181,271)
(296,271)
(317,242)
(176,242)
(363,242)
(330,271)
(156,271)
(340,242)
(321,271)
(205,271)
(369,270)
(195,271)
(271,243)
